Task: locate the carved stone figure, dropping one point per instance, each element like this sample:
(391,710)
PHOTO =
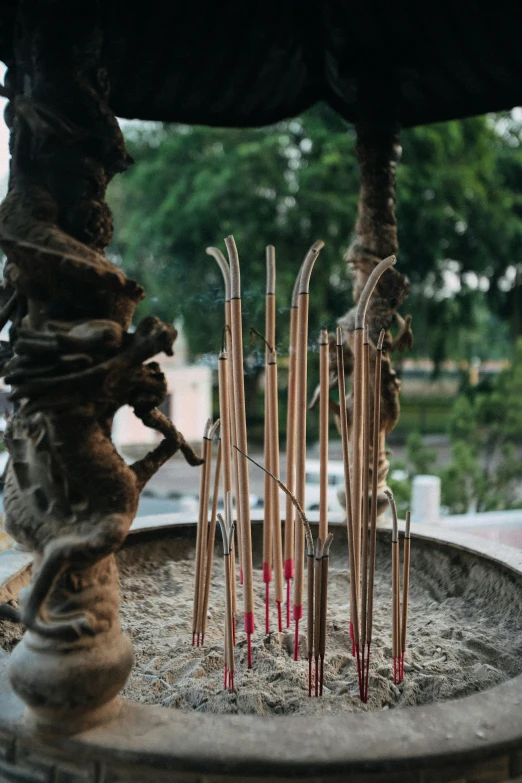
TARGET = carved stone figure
(72,361)
(378,153)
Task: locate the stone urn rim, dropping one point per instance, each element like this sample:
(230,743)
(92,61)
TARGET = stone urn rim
(471,727)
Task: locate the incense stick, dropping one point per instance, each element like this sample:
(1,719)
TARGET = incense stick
(290,449)
(324,400)
(324,607)
(310,574)
(241,434)
(210,542)
(343,415)
(204,536)
(227,533)
(405,591)
(373,515)
(201,529)
(396,616)
(301,373)
(225,430)
(365,498)
(268,516)
(274,490)
(318,583)
(225,271)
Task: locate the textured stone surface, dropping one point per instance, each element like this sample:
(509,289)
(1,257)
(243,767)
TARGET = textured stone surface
(475,739)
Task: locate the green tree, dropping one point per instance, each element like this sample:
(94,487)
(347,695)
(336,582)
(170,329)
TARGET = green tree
(459,219)
(486,430)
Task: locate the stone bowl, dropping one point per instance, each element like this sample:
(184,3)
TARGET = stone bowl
(474,739)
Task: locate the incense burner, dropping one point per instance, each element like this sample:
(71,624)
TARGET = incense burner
(475,738)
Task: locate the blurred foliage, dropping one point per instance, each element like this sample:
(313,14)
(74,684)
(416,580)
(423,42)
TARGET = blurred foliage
(459,216)
(485,429)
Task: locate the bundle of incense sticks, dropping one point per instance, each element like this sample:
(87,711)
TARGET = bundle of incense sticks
(361,514)
(202,535)
(227,533)
(399,617)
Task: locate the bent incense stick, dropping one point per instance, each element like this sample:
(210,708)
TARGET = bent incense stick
(241,435)
(324,401)
(301,407)
(290,449)
(343,415)
(201,529)
(405,591)
(373,515)
(396,616)
(210,542)
(268,516)
(225,271)
(324,608)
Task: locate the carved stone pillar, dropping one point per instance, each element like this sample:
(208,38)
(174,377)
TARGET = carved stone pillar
(378,152)
(72,362)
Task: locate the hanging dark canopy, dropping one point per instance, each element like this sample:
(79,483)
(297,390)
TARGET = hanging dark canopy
(235,63)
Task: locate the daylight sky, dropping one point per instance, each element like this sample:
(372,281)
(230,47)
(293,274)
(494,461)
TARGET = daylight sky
(4,154)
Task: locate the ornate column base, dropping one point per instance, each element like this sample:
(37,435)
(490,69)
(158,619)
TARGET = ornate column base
(71,687)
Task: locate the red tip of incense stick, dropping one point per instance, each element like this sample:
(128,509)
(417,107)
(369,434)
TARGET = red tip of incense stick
(202,639)
(298,612)
(240,576)
(267,572)
(197,640)
(248,622)
(309,674)
(267,608)
(279,616)
(296,639)
(249,643)
(288,582)
(316,676)
(402,667)
(288,569)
